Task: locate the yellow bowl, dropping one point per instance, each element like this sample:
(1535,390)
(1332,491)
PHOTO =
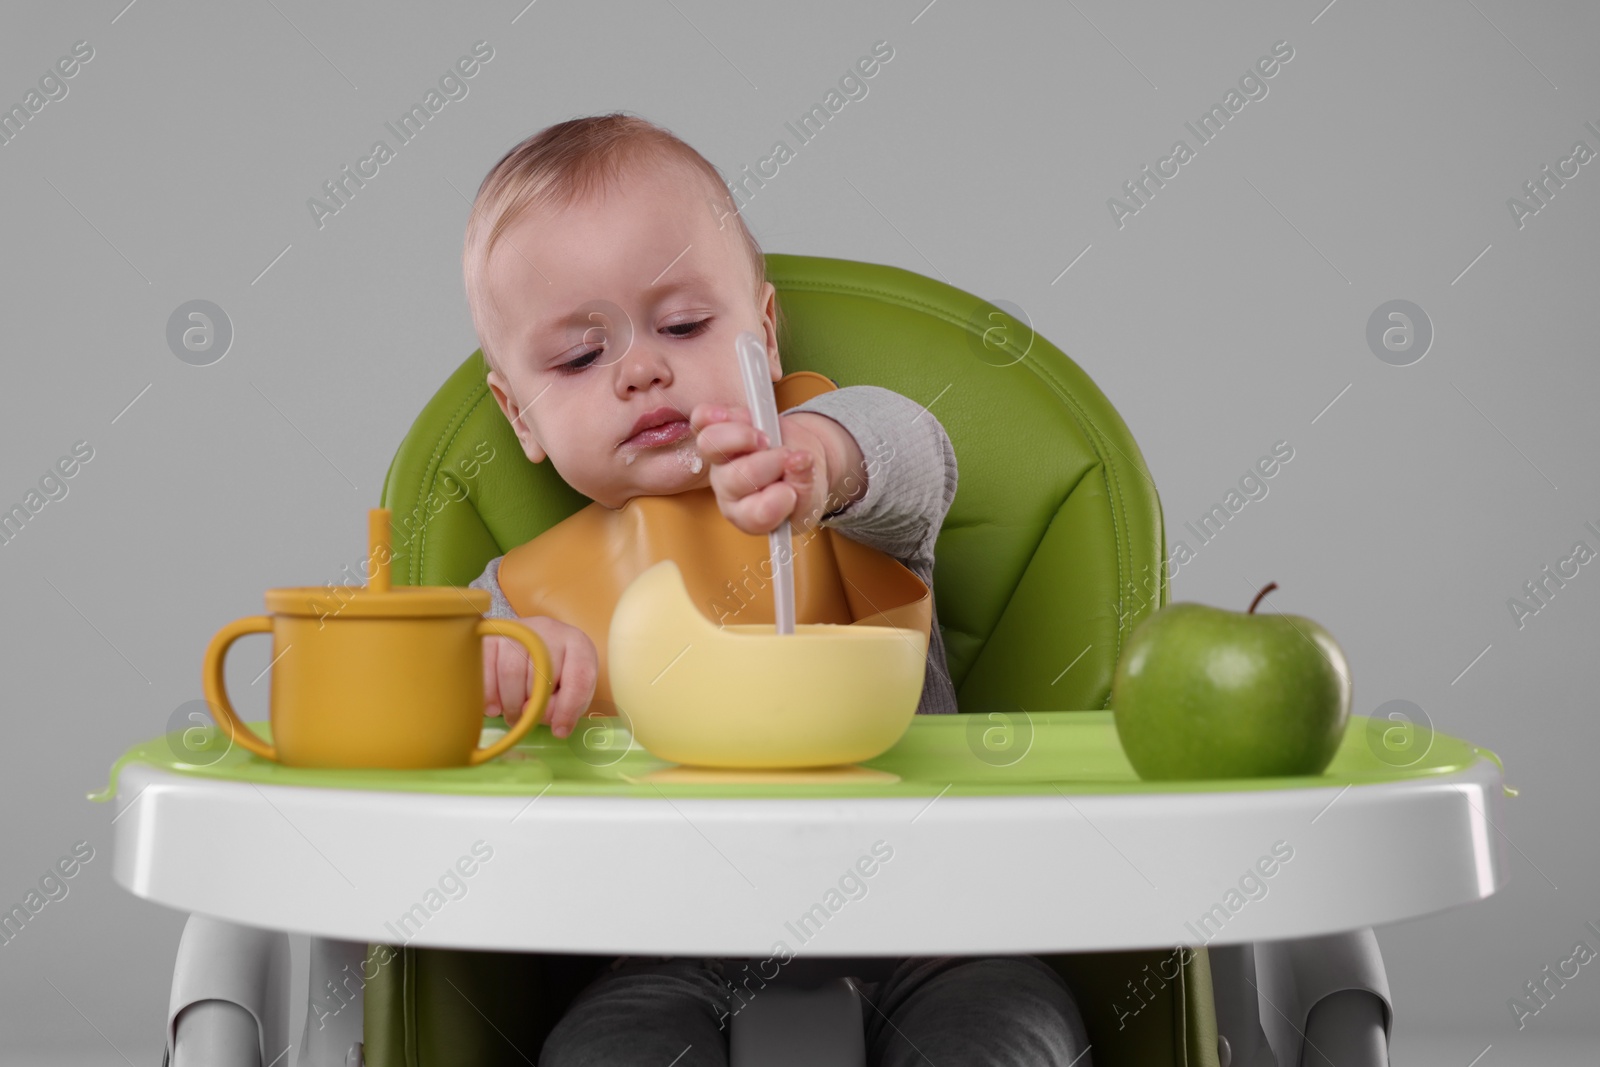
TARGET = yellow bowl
(745,696)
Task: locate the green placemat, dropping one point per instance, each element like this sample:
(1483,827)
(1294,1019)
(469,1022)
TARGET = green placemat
(1065,752)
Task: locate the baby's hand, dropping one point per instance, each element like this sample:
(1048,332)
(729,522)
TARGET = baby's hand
(508,675)
(757,486)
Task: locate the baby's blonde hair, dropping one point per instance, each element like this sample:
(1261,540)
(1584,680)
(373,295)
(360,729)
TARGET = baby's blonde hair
(561,165)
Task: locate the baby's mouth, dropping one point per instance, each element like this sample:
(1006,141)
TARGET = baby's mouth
(665,434)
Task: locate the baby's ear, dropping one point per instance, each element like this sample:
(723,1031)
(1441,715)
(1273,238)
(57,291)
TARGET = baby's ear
(519,425)
(768,303)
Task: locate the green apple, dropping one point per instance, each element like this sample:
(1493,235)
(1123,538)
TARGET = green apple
(1200,692)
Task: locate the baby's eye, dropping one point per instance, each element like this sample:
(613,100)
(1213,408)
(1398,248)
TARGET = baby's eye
(582,362)
(690,329)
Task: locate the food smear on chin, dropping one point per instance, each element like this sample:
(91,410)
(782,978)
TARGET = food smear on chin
(690,458)
(684,450)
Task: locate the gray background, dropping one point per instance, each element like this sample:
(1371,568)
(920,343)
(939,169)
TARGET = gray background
(1228,314)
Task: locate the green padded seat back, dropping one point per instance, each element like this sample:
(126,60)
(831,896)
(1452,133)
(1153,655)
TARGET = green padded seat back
(1055,522)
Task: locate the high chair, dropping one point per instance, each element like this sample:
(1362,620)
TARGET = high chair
(1052,552)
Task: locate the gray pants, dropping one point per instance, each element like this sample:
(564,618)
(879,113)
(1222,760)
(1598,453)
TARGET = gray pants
(1001,1011)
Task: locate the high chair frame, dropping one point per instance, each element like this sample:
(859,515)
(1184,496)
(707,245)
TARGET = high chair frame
(1053,551)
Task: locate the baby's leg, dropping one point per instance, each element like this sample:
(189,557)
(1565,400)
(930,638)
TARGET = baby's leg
(662,1012)
(1011,1011)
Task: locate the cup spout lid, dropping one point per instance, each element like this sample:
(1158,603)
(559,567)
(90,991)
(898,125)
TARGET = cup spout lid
(378,550)
(378,598)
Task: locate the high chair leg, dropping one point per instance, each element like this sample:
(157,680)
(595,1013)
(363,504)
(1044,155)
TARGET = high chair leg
(215,1032)
(1328,992)
(224,974)
(1345,1029)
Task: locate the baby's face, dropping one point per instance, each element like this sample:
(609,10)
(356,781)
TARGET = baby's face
(611,310)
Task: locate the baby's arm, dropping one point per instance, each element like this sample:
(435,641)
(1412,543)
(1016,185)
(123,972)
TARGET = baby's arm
(489,582)
(911,476)
(910,468)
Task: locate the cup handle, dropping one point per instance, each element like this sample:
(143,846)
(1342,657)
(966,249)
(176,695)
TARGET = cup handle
(216,688)
(536,699)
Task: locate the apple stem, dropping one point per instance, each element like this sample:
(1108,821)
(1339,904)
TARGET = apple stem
(1269,587)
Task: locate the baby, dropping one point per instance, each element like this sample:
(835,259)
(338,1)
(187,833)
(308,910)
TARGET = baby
(608,273)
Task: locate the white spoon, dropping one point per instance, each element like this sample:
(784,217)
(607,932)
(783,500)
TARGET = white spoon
(764,414)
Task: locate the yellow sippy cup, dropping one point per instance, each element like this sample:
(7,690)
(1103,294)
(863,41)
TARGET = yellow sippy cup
(374,675)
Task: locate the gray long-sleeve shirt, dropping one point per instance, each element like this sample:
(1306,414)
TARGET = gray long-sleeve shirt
(911,481)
